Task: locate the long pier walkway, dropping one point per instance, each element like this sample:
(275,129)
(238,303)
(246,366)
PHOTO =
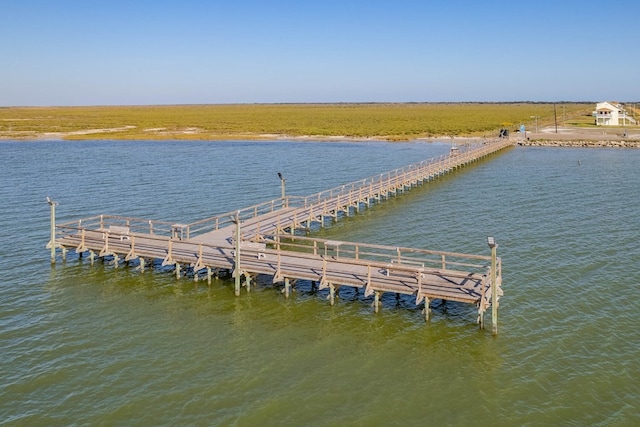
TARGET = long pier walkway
(262,239)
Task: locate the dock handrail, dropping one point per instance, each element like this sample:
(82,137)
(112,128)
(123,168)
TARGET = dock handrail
(352,193)
(378,183)
(343,194)
(393,176)
(134,225)
(393,259)
(225,219)
(392,256)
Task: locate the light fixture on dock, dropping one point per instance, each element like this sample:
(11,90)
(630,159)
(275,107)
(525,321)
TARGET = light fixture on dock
(283,182)
(491,242)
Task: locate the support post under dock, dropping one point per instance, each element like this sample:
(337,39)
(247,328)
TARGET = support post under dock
(494,286)
(237,273)
(52,241)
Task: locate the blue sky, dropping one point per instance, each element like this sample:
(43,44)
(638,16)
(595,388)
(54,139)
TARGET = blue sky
(112,52)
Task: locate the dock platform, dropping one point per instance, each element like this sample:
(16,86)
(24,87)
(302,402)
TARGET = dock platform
(265,239)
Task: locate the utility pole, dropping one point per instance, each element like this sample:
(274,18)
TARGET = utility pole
(555,116)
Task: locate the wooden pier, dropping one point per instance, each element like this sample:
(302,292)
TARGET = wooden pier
(266,239)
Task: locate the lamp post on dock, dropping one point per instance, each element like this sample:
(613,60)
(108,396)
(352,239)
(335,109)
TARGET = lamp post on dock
(283,185)
(494,288)
(52,242)
(236,221)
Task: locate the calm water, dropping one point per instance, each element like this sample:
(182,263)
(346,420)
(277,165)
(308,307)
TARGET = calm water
(82,345)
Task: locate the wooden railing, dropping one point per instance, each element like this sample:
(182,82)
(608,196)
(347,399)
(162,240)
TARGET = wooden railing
(404,174)
(227,219)
(390,256)
(305,207)
(341,198)
(105,223)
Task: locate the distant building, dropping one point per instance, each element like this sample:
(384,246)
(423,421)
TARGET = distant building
(612,114)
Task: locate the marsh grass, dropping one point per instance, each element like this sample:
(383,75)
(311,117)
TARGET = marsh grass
(383,121)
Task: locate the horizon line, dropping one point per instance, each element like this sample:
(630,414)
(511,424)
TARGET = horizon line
(313,103)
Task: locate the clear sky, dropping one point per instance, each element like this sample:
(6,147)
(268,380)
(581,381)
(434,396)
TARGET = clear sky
(105,52)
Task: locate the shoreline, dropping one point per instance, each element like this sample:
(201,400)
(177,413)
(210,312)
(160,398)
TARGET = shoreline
(569,143)
(567,137)
(580,143)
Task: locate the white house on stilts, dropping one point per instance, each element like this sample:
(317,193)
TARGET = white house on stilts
(612,114)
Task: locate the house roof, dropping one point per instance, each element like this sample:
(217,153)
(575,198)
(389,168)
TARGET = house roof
(609,106)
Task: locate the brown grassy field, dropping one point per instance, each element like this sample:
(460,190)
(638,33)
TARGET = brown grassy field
(268,121)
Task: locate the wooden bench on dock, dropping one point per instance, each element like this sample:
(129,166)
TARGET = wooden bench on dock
(121,231)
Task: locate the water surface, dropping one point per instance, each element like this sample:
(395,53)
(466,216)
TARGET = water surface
(91,345)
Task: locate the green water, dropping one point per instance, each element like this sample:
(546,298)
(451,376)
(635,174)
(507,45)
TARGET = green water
(92,345)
